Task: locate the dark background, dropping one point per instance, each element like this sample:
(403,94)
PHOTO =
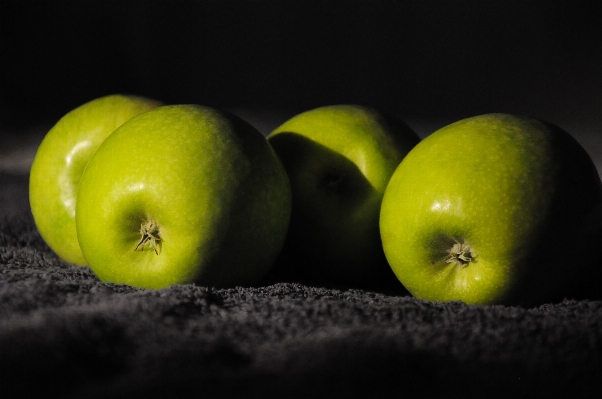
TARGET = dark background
(423,60)
(431,62)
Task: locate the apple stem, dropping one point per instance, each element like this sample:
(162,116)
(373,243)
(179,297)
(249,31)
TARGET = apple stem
(149,230)
(460,254)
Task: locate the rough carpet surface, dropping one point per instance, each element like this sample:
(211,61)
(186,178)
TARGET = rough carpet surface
(63,333)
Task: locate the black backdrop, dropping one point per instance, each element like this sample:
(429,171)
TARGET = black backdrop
(427,60)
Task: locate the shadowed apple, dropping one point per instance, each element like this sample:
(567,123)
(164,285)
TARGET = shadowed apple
(339,160)
(334,210)
(566,261)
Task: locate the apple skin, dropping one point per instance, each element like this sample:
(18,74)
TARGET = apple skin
(211,183)
(60,161)
(522,193)
(339,160)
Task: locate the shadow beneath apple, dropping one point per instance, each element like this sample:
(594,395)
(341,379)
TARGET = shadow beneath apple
(333,238)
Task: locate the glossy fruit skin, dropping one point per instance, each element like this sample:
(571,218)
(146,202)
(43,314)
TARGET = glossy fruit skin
(522,193)
(339,159)
(210,181)
(60,161)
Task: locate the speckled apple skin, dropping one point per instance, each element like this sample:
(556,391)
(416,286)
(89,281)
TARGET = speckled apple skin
(211,182)
(522,193)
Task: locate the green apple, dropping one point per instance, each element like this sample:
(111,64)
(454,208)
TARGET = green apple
(60,161)
(492,209)
(183,194)
(339,160)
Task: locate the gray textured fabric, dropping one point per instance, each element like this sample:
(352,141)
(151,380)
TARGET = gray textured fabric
(63,333)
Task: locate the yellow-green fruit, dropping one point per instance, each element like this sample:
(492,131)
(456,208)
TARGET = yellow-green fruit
(60,161)
(495,209)
(183,194)
(339,160)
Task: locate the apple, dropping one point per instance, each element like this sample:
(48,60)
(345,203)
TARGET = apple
(60,161)
(339,160)
(183,194)
(495,209)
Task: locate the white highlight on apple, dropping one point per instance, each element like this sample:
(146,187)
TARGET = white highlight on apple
(68,189)
(442,206)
